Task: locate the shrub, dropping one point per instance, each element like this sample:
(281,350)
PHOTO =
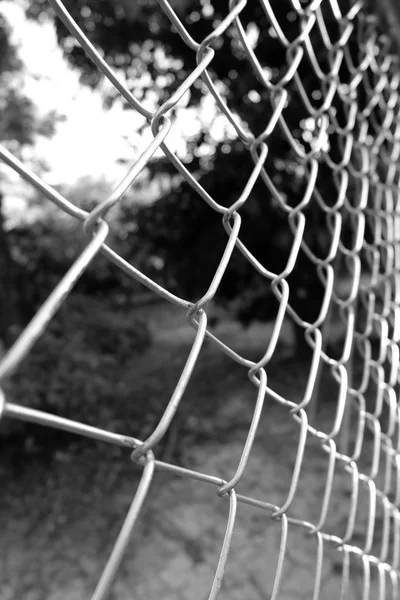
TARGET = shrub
(74,370)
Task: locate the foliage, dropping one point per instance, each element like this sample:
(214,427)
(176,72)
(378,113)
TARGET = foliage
(184,234)
(190,240)
(20,121)
(47,242)
(184,239)
(75,368)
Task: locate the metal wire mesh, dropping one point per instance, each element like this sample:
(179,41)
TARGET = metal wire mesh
(366,179)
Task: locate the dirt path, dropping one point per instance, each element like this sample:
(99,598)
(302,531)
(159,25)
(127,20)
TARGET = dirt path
(60,510)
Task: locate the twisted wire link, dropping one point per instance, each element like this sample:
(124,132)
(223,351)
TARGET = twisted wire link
(359,112)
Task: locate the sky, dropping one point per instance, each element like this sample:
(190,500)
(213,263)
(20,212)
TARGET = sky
(90,140)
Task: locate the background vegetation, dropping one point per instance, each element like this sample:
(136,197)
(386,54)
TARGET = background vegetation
(167,236)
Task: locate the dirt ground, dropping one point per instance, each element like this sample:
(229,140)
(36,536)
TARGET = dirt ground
(62,504)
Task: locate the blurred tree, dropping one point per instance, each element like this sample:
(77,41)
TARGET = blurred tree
(388,12)
(20,123)
(50,240)
(186,237)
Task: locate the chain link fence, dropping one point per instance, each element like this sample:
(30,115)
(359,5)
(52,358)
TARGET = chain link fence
(358,106)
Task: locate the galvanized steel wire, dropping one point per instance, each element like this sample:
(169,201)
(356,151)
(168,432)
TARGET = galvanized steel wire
(369,165)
